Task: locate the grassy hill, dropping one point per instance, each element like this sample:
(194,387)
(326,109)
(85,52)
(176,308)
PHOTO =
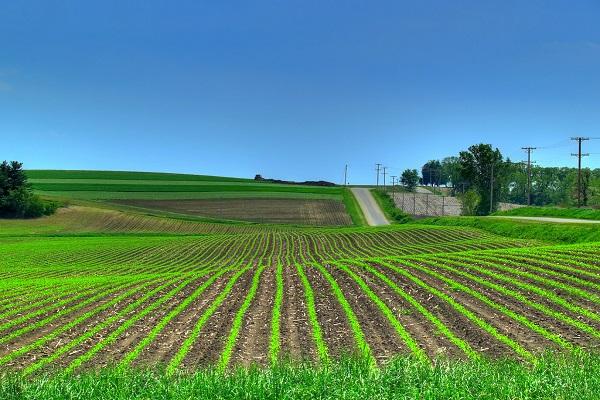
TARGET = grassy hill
(578,213)
(213,197)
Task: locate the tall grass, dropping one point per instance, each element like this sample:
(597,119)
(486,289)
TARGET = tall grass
(393,213)
(569,376)
(545,231)
(581,213)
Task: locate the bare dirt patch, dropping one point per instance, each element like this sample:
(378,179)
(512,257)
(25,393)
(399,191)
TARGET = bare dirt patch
(321,212)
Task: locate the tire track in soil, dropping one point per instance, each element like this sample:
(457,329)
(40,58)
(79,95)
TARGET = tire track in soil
(167,343)
(420,328)
(559,279)
(569,332)
(296,334)
(46,329)
(335,326)
(379,333)
(115,351)
(478,338)
(210,342)
(462,327)
(527,338)
(66,337)
(252,345)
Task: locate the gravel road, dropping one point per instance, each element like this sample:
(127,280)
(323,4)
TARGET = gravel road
(369,206)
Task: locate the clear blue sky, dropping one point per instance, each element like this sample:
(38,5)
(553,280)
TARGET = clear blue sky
(294,89)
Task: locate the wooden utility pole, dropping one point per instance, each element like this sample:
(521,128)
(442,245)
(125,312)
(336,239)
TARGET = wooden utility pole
(346,175)
(384,174)
(579,139)
(492,189)
(377,168)
(529,150)
(393,186)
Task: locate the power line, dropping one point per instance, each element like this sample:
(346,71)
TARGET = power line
(579,139)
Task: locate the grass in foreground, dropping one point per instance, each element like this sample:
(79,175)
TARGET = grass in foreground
(544,231)
(571,376)
(578,213)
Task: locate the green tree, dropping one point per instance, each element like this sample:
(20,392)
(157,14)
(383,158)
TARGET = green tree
(431,173)
(451,171)
(483,170)
(409,179)
(469,202)
(16,197)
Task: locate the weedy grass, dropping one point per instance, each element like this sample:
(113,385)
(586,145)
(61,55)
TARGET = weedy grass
(578,213)
(545,231)
(393,213)
(556,376)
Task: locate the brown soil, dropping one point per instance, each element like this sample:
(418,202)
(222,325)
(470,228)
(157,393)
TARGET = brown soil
(321,212)
(296,333)
(330,314)
(252,345)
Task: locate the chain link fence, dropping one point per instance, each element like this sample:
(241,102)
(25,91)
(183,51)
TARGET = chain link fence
(427,205)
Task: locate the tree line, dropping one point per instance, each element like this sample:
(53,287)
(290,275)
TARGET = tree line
(483,178)
(16,196)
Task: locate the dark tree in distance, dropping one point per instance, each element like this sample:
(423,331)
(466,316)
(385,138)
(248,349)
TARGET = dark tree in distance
(482,167)
(16,197)
(410,179)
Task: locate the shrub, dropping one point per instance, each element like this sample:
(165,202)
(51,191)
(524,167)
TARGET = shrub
(16,198)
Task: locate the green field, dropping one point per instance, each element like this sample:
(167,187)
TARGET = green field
(106,186)
(108,302)
(103,185)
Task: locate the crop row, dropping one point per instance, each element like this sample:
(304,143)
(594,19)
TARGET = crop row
(513,302)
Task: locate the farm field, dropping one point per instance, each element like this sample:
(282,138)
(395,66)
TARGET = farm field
(190,293)
(252,296)
(209,197)
(317,212)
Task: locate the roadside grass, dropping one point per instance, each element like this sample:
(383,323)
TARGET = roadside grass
(353,208)
(573,375)
(392,213)
(544,231)
(577,213)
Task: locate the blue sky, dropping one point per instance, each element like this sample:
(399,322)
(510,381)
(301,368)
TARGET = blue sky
(294,89)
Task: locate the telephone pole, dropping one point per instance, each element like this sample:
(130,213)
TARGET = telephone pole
(492,190)
(579,139)
(384,173)
(529,150)
(393,186)
(377,167)
(346,175)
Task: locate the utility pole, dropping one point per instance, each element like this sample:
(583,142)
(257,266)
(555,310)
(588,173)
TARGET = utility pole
(384,173)
(346,175)
(378,167)
(529,150)
(393,187)
(579,139)
(492,189)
